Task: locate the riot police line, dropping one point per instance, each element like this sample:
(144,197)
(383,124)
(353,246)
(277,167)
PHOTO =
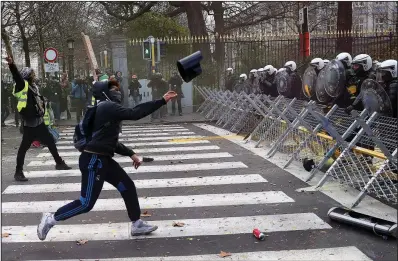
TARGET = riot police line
(335,127)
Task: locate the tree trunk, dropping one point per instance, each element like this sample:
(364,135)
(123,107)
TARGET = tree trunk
(25,42)
(197,26)
(196,22)
(344,25)
(220,46)
(396,18)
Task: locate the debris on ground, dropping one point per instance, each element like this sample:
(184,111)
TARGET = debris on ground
(224,254)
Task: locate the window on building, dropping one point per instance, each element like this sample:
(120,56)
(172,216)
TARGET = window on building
(379,23)
(331,25)
(332,4)
(358,4)
(360,24)
(274,26)
(281,27)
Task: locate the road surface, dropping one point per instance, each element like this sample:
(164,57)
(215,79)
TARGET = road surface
(219,191)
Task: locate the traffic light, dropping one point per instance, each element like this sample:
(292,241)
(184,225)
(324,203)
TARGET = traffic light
(146,50)
(160,50)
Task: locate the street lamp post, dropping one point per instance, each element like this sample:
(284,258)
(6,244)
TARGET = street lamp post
(71,46)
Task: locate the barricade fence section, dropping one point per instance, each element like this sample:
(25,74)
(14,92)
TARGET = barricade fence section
(357,149)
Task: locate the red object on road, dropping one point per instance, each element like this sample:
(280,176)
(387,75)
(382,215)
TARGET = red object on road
(258,234)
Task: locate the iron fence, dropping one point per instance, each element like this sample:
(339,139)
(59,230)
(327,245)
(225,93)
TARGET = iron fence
(358,149)
(245,52)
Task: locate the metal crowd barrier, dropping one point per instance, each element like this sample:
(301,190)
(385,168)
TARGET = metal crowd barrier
(358,150)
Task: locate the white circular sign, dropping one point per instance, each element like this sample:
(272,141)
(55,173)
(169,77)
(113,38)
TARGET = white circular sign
(50,54)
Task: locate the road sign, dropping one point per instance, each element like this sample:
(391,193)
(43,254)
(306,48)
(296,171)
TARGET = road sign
(50,55)
(301,16)
(51,67)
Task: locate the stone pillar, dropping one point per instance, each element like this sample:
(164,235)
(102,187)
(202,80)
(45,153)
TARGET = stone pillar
(119,62)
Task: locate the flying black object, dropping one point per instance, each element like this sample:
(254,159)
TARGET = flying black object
(189,67)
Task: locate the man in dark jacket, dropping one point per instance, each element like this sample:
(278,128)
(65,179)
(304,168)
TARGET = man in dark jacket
(31,106)
(158,86)
(134,90)
(175,84)
(97,158)
(79,94)
(5,104)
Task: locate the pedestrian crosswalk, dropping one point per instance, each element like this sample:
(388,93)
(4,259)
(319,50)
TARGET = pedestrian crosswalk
(214,194)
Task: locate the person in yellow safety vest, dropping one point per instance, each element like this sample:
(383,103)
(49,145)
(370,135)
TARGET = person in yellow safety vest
(32,108)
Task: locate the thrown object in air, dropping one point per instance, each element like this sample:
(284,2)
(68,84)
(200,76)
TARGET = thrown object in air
(378,226)
(189,67)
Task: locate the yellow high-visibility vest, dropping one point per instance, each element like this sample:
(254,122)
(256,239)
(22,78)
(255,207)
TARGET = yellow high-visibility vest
(22,96)
(93,100)
(46,117)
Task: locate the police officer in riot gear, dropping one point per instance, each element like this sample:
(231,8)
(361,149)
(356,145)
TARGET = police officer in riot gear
(252,83)
(362,67)
(387,76)
(230,80)
(347,96)
(318,64)
(291,69)
(268,84)
(326,62)
(240,85)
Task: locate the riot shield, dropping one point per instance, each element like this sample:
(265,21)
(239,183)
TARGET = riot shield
(309,81)
(335,78)
(320,91)
(375,98)
(281,79)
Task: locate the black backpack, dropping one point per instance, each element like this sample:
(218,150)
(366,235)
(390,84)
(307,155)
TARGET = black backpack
(84,130)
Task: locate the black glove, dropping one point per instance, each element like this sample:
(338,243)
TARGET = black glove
(349,109)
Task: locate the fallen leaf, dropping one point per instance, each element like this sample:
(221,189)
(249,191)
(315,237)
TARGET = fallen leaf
(146,214)
(5,234)
(178,224)
(224,254)
(81,242)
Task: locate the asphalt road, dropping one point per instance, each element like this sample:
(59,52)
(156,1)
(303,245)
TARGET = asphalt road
(219,190)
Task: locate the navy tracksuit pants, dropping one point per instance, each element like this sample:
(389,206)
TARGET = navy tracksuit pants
(95,170)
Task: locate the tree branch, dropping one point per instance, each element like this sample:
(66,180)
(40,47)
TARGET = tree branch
(140,12)
(175,12)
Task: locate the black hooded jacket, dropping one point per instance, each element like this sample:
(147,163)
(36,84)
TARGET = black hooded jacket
(107,120)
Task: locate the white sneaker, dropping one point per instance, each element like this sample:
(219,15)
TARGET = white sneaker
(142,228)
(45,225)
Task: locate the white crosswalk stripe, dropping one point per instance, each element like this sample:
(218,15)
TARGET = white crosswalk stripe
(155,157)
(193,227)
(108,204)
(140,134)
(142,183)
(329,254)
(135,131)
(168,138)
(145,144)
(192,181)
(150,150)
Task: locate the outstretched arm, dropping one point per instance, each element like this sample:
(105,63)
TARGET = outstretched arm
(142,110)
(19,81)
